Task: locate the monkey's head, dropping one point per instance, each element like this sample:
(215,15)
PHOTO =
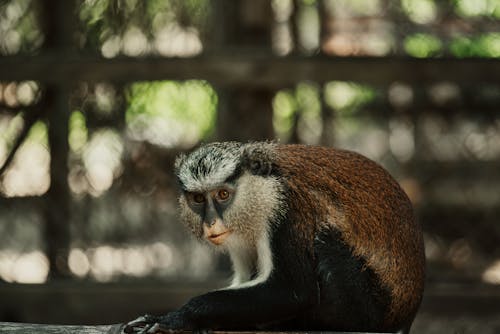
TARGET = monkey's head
(228,196)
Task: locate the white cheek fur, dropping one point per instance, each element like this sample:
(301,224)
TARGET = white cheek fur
(257,202)
(264,264)
(250,215)
(190,218)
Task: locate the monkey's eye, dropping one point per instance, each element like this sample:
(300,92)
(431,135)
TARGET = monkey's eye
(223,194)
(198,198)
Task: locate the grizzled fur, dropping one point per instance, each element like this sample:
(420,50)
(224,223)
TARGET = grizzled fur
(322,239)
(208,166)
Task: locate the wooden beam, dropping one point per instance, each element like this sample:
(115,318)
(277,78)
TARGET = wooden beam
(249,70)
(22,328)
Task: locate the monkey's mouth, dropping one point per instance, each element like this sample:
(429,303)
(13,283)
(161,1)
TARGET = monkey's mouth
(219,238)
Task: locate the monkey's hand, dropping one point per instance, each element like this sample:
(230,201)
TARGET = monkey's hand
(173,322)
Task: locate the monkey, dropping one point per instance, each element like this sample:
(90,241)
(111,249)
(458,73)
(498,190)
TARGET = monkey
(319,238)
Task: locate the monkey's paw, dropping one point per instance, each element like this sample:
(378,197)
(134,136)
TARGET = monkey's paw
(148,324)
(173,322)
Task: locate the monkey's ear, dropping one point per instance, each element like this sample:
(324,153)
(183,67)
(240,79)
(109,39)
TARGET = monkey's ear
(258,159)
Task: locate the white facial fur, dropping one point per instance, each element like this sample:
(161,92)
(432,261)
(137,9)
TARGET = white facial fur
(262,261)
(256,204)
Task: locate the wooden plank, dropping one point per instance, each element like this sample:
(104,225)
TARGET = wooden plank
(249,70)
(21,328)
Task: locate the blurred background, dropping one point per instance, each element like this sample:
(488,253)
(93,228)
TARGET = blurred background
(97,97)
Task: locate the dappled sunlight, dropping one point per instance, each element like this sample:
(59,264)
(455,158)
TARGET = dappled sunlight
(462,138)
(492,273)
(420,11)
(478,7)
(28,179)
(164,28)
(17,18)
(134,42)
(347,96)
(102,263)
(361,75)
(173,40)
(422,45)
(400,95)
(366,138)
(309,23)
(102,160)
(309,126)
(105,263)
(16,94)
(301,109)
(32,267)
(282,39)
(402,139)
(10,127)
(29,173)
(171,113)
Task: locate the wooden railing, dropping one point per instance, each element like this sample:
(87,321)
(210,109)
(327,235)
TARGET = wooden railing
(228,69)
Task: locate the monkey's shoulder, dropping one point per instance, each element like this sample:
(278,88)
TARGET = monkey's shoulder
(327,162)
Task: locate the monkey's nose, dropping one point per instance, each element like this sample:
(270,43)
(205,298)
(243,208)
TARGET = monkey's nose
(211,223)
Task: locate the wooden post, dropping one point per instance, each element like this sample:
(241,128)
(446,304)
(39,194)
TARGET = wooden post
(244,113)
(59,17)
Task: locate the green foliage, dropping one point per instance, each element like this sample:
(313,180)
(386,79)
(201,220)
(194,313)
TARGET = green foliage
(346,8)
(186,111)
(474,8)
(487,45)
(78,132)
(39,134)
(347,97)
(420,11)
(284,110)
(301,105)
(422,45)
(104,19)
(11,129)
(19,28)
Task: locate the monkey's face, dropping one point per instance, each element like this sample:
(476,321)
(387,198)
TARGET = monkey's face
(209,207)
(222,202)
(207,178)
(243,208)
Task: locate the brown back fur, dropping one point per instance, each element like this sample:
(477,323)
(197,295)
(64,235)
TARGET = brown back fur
(360,199)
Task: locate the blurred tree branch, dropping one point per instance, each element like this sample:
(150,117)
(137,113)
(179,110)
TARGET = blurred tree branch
(30,116)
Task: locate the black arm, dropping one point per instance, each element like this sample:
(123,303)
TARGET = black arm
(246,308)
(290,290)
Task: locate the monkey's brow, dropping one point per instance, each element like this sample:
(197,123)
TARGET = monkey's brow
(235,174)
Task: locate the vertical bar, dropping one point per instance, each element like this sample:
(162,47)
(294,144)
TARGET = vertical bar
(245,24)
(57,199)
(58,19)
